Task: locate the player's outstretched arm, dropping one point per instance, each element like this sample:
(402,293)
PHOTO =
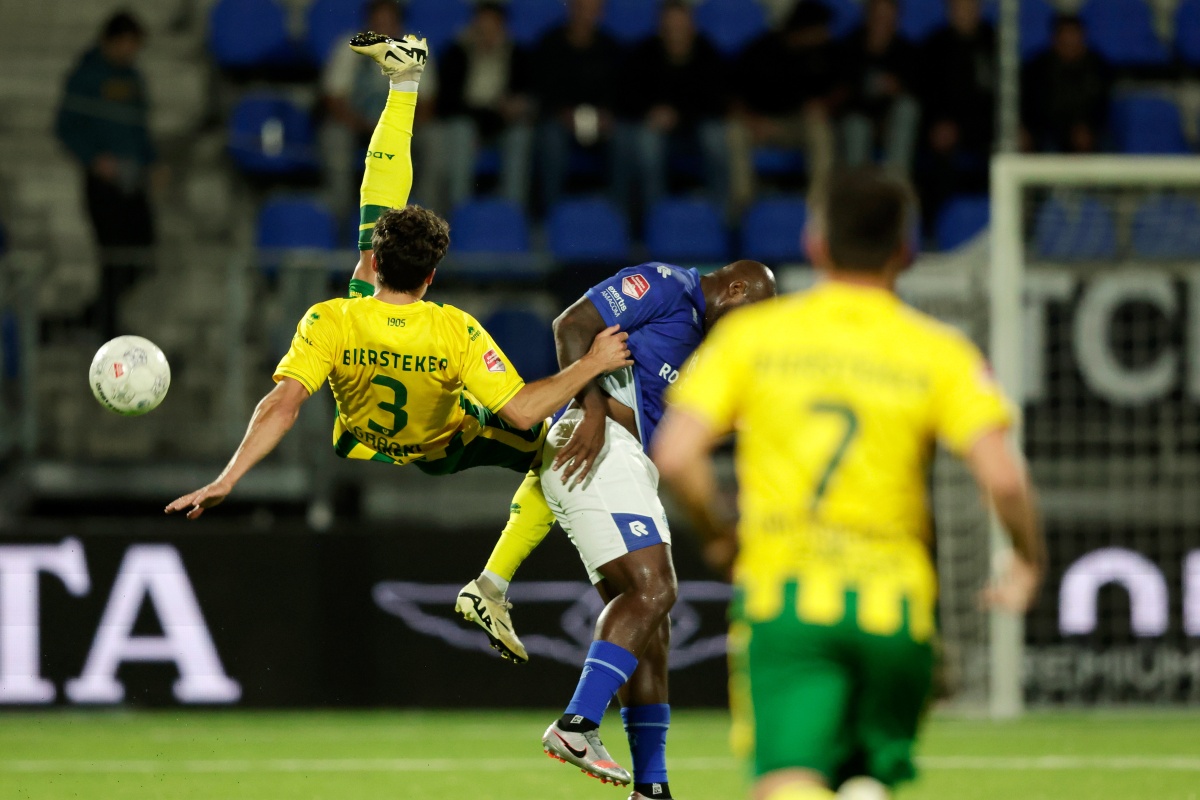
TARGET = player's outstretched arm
(273,418)
(682,451)
(574,331)
(538,400)
(1000,472)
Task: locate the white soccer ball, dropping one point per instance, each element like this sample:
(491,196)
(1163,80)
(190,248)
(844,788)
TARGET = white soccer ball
(130,375)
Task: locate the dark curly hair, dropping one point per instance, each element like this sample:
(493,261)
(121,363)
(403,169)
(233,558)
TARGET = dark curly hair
(408,243)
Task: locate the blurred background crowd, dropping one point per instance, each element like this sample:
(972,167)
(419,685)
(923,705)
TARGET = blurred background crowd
(162,149)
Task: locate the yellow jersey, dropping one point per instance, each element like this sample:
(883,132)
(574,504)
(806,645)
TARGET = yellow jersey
(838,396)
(399,374)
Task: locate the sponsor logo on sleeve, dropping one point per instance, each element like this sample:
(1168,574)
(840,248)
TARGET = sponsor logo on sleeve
(635,286)
(615,301)
(493,362)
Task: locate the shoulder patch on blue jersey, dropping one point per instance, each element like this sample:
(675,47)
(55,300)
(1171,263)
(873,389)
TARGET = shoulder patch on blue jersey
(635,286)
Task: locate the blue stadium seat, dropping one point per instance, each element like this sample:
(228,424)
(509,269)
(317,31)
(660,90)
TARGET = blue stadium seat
(1167,227)
(1036,23)
(631,20)
(772,230)
(1187,32)
(529,20)
(438,20)
(1148,123)
(527,339)
(588,230)
(919,18)
(686,230)
(248,33)
(847,16)
(269,135)
(731,24)
(779,161)
(293,223)
(961,219)
(1123,32)
(489,225)
(1075,229)
(330,22)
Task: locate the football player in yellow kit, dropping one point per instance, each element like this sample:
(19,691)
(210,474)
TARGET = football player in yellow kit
(837,396)
(415,382)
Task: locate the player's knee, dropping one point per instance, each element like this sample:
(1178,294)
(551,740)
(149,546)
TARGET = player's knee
(659,592)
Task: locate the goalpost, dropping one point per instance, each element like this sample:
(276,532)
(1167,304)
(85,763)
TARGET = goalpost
(1093,306)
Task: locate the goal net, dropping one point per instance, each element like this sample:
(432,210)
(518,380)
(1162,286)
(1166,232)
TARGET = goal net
(1094,309)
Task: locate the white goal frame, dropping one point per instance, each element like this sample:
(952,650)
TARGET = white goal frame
(1010,176)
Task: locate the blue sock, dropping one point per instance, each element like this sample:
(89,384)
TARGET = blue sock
(607,668)
(646,727)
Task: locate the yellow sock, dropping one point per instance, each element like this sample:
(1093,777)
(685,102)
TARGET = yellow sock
(388,178)
(529,520)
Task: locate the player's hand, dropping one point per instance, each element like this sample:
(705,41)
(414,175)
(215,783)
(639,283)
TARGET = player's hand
(212,495)
(1015,588)
(583,450)
(610,350)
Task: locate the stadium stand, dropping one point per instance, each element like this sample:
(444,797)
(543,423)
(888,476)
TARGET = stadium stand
(438,20)
(630,20)
(248,33)
(294,222)
(528,20)
(771,230)
(526,338)
(1123,32)
(847,16)
(686,230)
(271,136)
(1187,32)
(1148,123)
(588,230)
(489,226)
(1071,228)
(731,24)
(327,23)
(961,220)
(1167,227)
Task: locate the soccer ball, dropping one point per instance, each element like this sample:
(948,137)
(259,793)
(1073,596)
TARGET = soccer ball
(130,375)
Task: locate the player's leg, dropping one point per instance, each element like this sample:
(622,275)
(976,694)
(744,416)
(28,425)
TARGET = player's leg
(791,693)
(896,677)
(388,177)
(484,600)
(617,523)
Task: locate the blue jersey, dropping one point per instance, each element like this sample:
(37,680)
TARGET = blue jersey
(661,307)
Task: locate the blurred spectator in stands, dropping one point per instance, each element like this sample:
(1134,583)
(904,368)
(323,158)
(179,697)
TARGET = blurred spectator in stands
(103,121)
(576,84)
(673,98)
(484,80)
(881,108)
(354,94)
(1065,93)
(788,87)
(958,78)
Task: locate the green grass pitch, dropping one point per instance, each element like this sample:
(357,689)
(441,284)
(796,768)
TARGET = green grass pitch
(492,755)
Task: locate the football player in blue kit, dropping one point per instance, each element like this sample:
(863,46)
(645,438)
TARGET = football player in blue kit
(600,485)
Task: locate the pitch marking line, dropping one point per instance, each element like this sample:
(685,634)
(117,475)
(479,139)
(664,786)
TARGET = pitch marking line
(366,765)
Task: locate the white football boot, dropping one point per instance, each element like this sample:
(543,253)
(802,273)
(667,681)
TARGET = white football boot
(491,613)
(402,60)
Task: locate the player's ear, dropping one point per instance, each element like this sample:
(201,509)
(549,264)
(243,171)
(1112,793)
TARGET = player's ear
(737,289)
(429,280)
(374,264)
(815,247)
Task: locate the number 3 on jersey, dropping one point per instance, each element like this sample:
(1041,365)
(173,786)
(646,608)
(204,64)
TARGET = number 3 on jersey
(847,416)
(395,407)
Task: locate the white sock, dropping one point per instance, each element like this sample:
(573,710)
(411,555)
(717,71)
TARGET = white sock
(496,580)
(406,86)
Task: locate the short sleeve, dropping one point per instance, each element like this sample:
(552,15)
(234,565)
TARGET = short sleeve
(486,371)
(632,297)
(714,383)
(310,358)
(968,402)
